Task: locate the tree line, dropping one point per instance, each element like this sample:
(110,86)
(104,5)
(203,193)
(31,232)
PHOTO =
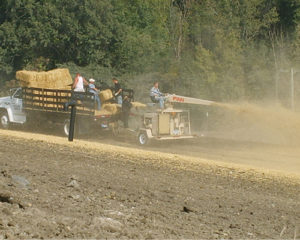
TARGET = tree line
(216,49)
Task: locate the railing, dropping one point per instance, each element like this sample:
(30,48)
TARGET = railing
(54,100)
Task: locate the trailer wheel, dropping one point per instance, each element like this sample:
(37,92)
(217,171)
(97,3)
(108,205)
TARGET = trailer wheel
(66,127)
(4,120)
(143,138)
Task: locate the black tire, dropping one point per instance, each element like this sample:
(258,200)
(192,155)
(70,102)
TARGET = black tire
(143,139)
(4,120)
(66,127)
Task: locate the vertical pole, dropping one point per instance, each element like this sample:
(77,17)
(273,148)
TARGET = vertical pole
(292,90)
(72,122)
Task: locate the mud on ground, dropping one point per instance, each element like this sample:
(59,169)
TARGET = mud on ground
(50,188)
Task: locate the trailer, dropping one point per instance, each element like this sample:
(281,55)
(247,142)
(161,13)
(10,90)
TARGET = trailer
(169,123)
(39,106)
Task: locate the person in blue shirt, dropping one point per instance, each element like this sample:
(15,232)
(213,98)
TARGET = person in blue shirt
(95,91)
(157,96)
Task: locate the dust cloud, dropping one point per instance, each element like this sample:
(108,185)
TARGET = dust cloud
(259,123)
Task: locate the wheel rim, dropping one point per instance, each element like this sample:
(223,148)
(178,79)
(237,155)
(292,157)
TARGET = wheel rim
(67,127)
(4,121)
(142,138)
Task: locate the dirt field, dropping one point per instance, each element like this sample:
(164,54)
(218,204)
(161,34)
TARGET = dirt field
(98,188)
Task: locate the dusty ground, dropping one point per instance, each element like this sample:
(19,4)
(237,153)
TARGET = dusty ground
(50,188)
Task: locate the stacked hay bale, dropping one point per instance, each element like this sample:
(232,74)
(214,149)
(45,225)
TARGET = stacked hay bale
(108,108)
(57,79)
(138,105)
(106,95)
(113,108)
(54,79)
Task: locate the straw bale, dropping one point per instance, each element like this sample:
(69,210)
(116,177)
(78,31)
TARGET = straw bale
(54,79)
(138,104)
(36,91)
(26,76)
(41,78)
(23,84)
(36,104)
(102,112)
(105,95)
(112,108)
(50,105)
(65,94)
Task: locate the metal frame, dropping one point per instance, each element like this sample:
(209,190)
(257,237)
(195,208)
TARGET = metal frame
(152,132)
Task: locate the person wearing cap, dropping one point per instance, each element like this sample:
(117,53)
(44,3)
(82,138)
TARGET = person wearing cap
(92,89)
(118,91)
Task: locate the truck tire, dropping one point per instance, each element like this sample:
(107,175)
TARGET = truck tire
(66,127)
(4,120)
(79,128)
(143,139)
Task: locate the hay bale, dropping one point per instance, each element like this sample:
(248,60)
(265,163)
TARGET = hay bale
(138,105)
(54,79)
(26,76)
(106,95)
(23,84)
(102,112)
(113,108)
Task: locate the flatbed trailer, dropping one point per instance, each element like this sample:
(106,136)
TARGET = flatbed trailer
(40,106)
(48,105)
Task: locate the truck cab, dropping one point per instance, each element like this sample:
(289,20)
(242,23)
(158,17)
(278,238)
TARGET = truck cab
(11,109)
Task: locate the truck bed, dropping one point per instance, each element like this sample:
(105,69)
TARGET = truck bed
(53,100)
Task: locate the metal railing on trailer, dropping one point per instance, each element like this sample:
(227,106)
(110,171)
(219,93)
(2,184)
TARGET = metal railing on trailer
(54,100)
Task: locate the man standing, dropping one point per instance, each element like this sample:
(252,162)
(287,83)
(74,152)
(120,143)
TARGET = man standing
(79,83)
(126,106)
(95,91)
(118,91)
(157,96)
(78,87)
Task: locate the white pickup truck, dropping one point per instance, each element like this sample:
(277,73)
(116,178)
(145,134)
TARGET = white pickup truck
(38,106)
(11,109)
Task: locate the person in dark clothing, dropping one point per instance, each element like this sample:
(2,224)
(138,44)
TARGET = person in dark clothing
(118,90)
(126,106)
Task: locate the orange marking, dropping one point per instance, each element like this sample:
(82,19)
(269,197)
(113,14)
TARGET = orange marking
(178,99)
